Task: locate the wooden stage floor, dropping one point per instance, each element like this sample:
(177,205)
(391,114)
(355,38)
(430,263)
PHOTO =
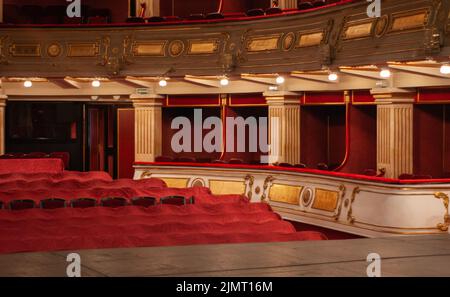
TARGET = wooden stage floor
(401,256)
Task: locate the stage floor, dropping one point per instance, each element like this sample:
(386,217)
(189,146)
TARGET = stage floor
(401,256)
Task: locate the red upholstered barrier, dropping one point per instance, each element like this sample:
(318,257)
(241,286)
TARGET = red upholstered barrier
(49,166)
(130,226)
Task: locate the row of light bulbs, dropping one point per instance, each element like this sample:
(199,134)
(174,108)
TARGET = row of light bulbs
(224,81)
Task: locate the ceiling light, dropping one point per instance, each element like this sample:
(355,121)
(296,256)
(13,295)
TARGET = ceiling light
(280,80)
(28,84)
(385,73)
(224,81)
(96,83)
(445,69)
(94,98)
(163,83)
(273,88)
(116,97)
(333,76)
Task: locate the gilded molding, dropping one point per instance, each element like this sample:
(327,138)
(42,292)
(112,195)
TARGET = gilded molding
(350,217)
(250,180)
(444,226)
(25,50)
(267,182)
(343,191)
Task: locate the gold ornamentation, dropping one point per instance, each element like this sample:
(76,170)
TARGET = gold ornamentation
(288,41)
(176,48)
(307,197)
(203,47)
(359,29)
(266,185)
(146,174)
(175,182)
(199,182)
(25,50)
(250,179)
(226,187)
(310,39)
(257,190)
(403,21)
(444,226)
(350,216)
(149,48)
(381,25)
(285,194)
(343,191)
(81,50)
(54,50)
(263,43)
(325,200)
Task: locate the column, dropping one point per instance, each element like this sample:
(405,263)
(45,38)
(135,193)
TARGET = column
(286,4)
(394,130)
(148,127)
(2,123)
(284,138)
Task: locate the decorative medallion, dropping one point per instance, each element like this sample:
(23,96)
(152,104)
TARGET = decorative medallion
(288,41)
(54,50)
(381,26)
(176,48)
(198,183)
(307,196)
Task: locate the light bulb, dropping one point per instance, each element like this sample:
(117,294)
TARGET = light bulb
(28,84)
(445,69)
(385,73)
(163,83)
(224,81)
(96,83)
(280,80)
(333,77)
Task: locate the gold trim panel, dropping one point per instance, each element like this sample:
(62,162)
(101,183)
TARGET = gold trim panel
(222,187)
(263,43)
(285,194)
(358,30)
(79,50)
(25,50)
(150,48)
(175,182)
(409,20)
(203,47)
(309,39)
(325,200)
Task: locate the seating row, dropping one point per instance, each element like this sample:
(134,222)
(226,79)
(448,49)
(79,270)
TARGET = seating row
(54,203)
(64,156)
(56,14)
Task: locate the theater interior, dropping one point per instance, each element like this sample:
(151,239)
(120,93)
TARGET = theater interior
(338,147)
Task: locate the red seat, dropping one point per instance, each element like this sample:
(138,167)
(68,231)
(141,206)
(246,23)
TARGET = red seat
(273,10)
(214,16)
(318,3)
(219,162)
(301,165)
(83,203)
(36,155)
(143,201)
(185,160)
(135,20)
(156,19)
(22,204)
(304,5)
(196,17)
(235,161)
(370,172)
(114,202)
(322,166)
(173,200)
(255,12)
(53,203)
(163,159)
(285,165)
(406,176)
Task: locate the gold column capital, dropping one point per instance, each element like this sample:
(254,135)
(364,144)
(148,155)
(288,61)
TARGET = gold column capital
(277,98)
(393,95)
(147,100)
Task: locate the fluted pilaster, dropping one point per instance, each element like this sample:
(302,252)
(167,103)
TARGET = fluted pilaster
(394,131)
(148,121)
(284,137)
